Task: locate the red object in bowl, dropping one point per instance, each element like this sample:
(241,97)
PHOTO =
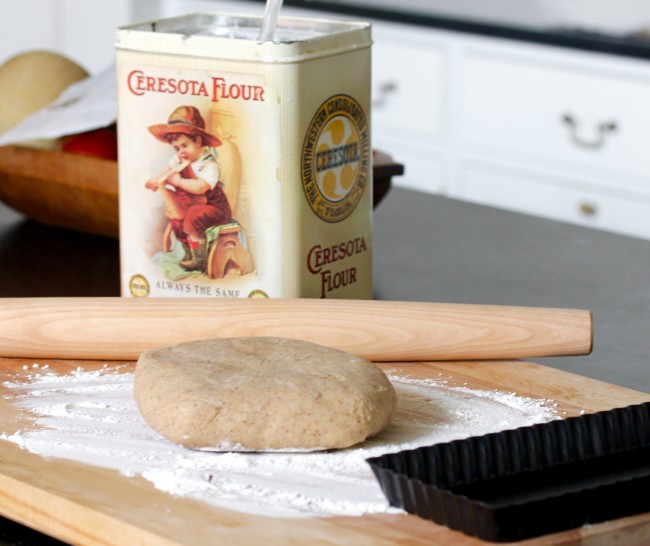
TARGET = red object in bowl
(97,143)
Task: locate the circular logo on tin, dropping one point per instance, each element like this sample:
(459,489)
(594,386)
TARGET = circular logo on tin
(336,158)
(139,286)
(258,294)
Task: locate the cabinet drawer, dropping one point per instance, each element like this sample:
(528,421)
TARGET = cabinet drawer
(565,200)
(425,169)
(555,110)
(408,88)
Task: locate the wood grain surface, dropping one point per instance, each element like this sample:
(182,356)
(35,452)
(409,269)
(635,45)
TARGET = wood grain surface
(122,328)
(86,505)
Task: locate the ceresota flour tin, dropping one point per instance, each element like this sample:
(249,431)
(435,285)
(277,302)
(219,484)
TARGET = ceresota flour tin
(245,167)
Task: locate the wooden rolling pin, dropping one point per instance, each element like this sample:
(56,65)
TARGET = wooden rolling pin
(121,328)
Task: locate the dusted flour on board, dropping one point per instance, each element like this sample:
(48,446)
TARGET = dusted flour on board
(90,416)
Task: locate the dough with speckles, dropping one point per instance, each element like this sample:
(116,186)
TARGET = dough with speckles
(261,394)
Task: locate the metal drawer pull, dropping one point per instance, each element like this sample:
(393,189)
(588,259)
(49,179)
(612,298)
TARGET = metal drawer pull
(588,209)
(384,90)
(602,130)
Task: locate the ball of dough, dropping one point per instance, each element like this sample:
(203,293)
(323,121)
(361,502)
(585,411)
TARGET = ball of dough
(261,394)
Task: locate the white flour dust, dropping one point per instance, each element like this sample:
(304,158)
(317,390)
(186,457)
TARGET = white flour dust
(91,417)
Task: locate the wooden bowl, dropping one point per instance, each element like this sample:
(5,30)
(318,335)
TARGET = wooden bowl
(80,192)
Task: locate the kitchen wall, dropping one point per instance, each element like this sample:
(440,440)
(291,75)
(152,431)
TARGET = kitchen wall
(84,30)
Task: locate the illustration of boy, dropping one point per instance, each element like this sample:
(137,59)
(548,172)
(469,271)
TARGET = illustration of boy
(190,186)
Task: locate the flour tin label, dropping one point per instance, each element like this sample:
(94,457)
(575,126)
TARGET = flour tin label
(201,193)
(336,158)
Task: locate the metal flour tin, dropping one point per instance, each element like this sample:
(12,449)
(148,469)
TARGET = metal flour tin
(245,167)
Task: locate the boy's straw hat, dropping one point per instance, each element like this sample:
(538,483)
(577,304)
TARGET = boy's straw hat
(184,119)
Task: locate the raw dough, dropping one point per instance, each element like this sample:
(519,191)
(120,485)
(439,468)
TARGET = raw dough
(261,393)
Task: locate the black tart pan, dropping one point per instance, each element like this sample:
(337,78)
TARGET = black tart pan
(528,481)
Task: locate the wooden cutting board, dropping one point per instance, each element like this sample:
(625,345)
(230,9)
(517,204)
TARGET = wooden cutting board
(87,505)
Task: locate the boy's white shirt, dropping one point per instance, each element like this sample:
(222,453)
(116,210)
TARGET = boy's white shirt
(205,168)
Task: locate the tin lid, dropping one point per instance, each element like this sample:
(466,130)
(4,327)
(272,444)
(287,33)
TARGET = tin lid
(234,36)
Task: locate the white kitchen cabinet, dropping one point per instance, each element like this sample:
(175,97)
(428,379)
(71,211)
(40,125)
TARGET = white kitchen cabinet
(410,86)
(558,111)
(557,195)
(553,132)
(550,131)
